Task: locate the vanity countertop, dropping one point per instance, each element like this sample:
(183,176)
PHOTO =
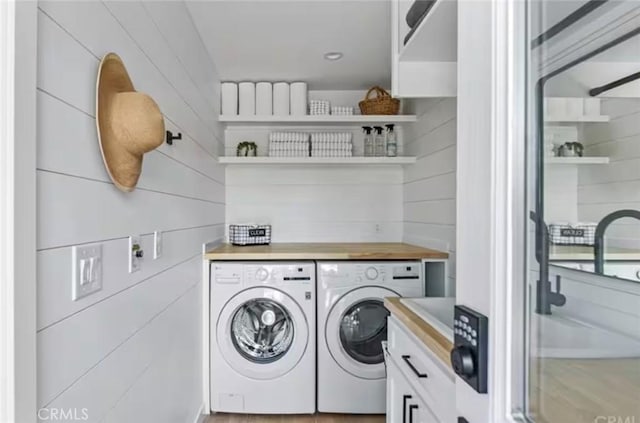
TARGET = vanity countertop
(585,253)
(325,251)
(432,328)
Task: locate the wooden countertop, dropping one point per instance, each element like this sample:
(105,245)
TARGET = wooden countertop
(325,251)
(585,253)
(431,337)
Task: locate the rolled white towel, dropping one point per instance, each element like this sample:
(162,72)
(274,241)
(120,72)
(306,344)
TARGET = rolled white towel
(229,98)
(247,95)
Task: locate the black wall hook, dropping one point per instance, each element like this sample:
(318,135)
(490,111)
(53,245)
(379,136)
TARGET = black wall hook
(171,137)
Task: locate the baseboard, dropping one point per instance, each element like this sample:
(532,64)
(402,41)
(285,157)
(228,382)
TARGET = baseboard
(201,417)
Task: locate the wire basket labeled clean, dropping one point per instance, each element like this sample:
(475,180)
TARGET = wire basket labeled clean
(250,234)
(381,104)
(577,234)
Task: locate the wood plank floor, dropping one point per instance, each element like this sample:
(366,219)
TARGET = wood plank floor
(582,390)
(316,418)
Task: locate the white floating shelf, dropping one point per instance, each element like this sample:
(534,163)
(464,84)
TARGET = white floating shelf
(580,119)
(317,160)
(576,160)
(319,119)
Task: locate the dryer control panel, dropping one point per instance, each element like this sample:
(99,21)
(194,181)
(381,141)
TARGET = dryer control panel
(268,273)
(371,272)
(406,271)
(280,273)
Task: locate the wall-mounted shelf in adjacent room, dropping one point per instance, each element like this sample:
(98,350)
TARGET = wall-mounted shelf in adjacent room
(576,119)
(354,120)
(317,160)
(576,160)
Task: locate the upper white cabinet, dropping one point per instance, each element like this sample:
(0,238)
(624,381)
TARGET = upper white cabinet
(426,64)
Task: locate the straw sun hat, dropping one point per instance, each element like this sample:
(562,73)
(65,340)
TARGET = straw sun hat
(129,123)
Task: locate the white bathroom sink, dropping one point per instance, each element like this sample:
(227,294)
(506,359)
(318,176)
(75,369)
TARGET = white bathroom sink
(438,312)
(561,337)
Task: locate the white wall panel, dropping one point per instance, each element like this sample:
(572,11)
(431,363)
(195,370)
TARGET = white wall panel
(73,346)
(132,350)
(136,20)
(613,304)
(439,187)
(61,27)
(614,186)
(81,210)
(436,164)
(106,387)
(429,188)
(180,364)
(54,289)
(318,204)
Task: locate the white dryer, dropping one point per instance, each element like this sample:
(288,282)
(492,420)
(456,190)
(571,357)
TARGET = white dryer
(352,323)
(263,340)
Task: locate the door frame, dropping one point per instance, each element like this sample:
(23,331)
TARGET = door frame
(491,196)
(18,70)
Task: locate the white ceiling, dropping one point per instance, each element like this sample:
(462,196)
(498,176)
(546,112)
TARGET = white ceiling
(286,40)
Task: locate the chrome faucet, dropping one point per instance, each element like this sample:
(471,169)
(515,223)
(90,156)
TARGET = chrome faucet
(598,245)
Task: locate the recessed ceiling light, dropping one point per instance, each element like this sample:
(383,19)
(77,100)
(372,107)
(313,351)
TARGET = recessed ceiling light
(333,55)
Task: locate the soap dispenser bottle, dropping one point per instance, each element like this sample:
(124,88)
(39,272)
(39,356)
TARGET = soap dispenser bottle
(368,142)
(392,141)
(380,148)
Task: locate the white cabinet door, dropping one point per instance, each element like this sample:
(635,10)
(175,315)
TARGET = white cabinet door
(404,405)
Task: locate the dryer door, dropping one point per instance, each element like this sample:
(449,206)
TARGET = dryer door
(262,333)
(355,328)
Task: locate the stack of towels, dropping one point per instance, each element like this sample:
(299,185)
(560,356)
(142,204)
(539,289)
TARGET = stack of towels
(331,144)
(289,144)
(319,107)
(342,111)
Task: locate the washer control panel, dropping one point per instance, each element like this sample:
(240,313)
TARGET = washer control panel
(371,273)
(469,357)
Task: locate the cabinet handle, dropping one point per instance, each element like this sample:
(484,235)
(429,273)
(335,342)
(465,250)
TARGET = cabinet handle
(411,408)
(404,407)
(407,359)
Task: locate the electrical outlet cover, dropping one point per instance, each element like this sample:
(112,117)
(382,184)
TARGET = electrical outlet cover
(157,245)
(135,245)
(87,270)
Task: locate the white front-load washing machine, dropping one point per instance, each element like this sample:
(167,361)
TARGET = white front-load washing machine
(352,323)
(263,339)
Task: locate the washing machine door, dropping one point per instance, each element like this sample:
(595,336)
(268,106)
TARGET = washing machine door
(355,328)
(262,333)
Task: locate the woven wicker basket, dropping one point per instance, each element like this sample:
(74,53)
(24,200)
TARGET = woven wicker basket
(382,104)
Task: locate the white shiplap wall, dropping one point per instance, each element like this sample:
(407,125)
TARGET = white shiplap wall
(131,352)
(606,188)
(318,203)
(429,195)
(609,303)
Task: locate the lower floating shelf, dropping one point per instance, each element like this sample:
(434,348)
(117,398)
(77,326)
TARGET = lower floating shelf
(576,160)
(317,160)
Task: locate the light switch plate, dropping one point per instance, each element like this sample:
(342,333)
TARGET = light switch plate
(135,246)
(87,270)
(157,245)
